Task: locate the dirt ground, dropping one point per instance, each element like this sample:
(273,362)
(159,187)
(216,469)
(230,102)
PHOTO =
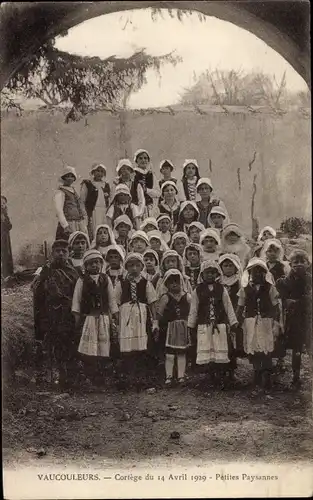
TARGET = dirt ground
(106,426)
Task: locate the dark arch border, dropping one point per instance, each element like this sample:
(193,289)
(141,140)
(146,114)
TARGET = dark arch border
(283,25)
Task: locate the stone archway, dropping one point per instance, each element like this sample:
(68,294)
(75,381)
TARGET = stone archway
(284,26)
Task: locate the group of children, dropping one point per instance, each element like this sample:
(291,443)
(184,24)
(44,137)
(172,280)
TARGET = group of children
(170,285)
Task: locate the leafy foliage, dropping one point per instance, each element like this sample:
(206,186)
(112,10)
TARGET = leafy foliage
(235,87)
(83,83)
(294,226)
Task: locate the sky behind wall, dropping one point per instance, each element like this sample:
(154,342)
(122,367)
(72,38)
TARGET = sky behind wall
(203,45)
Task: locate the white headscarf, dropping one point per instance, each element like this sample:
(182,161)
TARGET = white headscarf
(171,253)
(67,170)
(74,235)
(134,256)
(212,233)
(97,165)
(205,180)
(149,220)
(158,235)
(218,210)
(275,243)
(116,248)
(256,262)
(173,272)
(210,264)
(139,152)
(111,235)
(169,183)
(122,218)
(163,162)
(230,280)
(269,229)
(186,203)
(194,246)
(177,235)
(140,234)
(125,162)
(92,254)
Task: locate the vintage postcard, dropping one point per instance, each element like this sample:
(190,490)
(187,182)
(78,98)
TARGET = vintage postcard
(156,250)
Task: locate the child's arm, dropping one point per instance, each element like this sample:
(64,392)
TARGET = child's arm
(118,293)
(241,306)
(141,199)
(232,319)
(113,307)
(59,203)
(76,301)
(193,312)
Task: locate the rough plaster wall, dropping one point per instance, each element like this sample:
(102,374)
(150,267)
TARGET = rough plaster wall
(34,147)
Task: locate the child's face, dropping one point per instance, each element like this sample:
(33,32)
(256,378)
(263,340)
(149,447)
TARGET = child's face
(228,268)
(232,238)
(113,259)
(125,173)
(166,171)
(272,254)
(190,171)
(204,191)
(68,179)
(193,257)
(209,244)
(171,262)
(266,236)
(98,174)
(123,199)
(94,266)
(142,160)
(102,236)
(123,229)
(149,227)
(139,245)
(179,245)
(60,255)
(79,246)
(189,214)
(150,262)
(155,244)
(217,220)
(134,267)
(173,284)
(164,225)
(3,203)
(258,274)
(194,234)
(169,193)
(299,264)
(209,275)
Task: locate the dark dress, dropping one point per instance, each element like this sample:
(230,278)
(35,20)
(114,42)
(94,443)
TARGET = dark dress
(54,322)
(205,211)
(298,316)
(6,249)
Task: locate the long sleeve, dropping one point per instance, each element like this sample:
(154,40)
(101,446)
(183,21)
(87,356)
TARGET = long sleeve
(141,199)
(151,294)
(193,313)
(155,191)
(77,296)
(274,295)
(229,308)
(83,193)
(112,298)
(59,198)
(241,297)
(181,193)
(161,305)
(118,293)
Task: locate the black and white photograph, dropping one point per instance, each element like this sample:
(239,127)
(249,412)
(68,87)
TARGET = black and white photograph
(156,249)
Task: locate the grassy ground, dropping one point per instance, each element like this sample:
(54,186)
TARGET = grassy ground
(105,426)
